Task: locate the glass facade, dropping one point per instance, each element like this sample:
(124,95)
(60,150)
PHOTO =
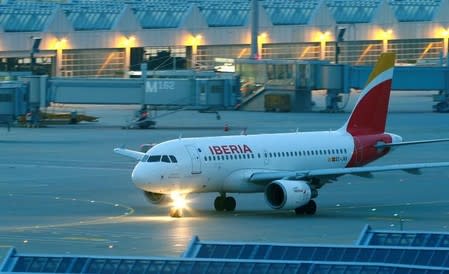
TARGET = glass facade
(93,63)
(206,55)
(417,51)
(111,62)
(355,52)
(291,51)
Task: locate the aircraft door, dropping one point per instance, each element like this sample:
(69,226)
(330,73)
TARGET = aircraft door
(265,158)
(195,157)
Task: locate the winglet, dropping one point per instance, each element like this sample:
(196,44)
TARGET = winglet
(370,113)
(129,153)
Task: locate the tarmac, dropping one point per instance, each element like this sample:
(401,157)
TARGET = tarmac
(64,191)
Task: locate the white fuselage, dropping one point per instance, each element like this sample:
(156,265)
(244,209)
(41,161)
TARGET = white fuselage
(224,164)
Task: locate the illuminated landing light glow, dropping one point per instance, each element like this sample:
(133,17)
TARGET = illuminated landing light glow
(178,201)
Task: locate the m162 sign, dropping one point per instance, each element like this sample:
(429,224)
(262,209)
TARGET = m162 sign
(157,86)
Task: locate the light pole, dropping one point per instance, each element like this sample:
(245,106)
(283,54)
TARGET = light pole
(340,33)
(34,49)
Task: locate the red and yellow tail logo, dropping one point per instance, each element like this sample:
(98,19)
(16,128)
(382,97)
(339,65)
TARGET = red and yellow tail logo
(370,113)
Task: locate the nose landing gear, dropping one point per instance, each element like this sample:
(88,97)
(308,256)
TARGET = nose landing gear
(179,202)
(176,212)
(223,203)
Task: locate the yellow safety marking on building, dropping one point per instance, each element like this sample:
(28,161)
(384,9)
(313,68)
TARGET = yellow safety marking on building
(364,53)
(304,52)
(426,50)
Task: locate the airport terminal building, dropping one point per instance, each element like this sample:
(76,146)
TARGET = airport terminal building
(110,38)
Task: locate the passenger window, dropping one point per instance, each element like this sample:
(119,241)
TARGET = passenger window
(271,155)
(165,159)
(258,155)
(173,159)
(205,158)
(154,158)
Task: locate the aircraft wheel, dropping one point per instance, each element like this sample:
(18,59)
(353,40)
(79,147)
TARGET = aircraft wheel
(230,204)
(220,203)
(300,210)
(176,212)
(310,208)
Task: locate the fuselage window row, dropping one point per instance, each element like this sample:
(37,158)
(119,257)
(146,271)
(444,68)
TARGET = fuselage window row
(276,154)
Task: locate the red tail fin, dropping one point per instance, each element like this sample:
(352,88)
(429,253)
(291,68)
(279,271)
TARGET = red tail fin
(370,113)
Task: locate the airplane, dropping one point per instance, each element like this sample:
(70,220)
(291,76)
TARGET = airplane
(289,168)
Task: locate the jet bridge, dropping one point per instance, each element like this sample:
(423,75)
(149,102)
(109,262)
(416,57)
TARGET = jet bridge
(195,90)
(296,79)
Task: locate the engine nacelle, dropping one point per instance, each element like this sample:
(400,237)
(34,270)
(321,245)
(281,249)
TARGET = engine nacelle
(156,198)
(287,194)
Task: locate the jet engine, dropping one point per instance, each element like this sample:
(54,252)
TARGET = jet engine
(287,194)
(156,198)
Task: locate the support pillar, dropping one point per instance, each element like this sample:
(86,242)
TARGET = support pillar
(58,62)
(127,63)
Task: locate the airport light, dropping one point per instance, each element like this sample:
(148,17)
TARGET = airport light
(197,39)
(323,37)
(126,41)
(262,38)
(445,33)
(384,35)
(60,43)
(387,33)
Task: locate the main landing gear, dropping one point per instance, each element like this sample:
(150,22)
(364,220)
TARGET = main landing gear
(307,209)
(223,203)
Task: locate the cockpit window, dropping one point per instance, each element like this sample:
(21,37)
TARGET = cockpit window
(159,158)
(173,159)
(145,158)
(154,158)
(165,159)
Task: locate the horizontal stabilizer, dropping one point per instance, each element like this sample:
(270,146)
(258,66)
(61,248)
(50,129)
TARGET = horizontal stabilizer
(383,145)
(129,153)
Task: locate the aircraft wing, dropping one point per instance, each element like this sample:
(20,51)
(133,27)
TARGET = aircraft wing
(333,173)
(129,153)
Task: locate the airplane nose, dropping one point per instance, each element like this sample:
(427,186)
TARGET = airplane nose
(138,175)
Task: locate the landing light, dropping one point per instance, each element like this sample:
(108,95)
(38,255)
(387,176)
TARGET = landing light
(178,201)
